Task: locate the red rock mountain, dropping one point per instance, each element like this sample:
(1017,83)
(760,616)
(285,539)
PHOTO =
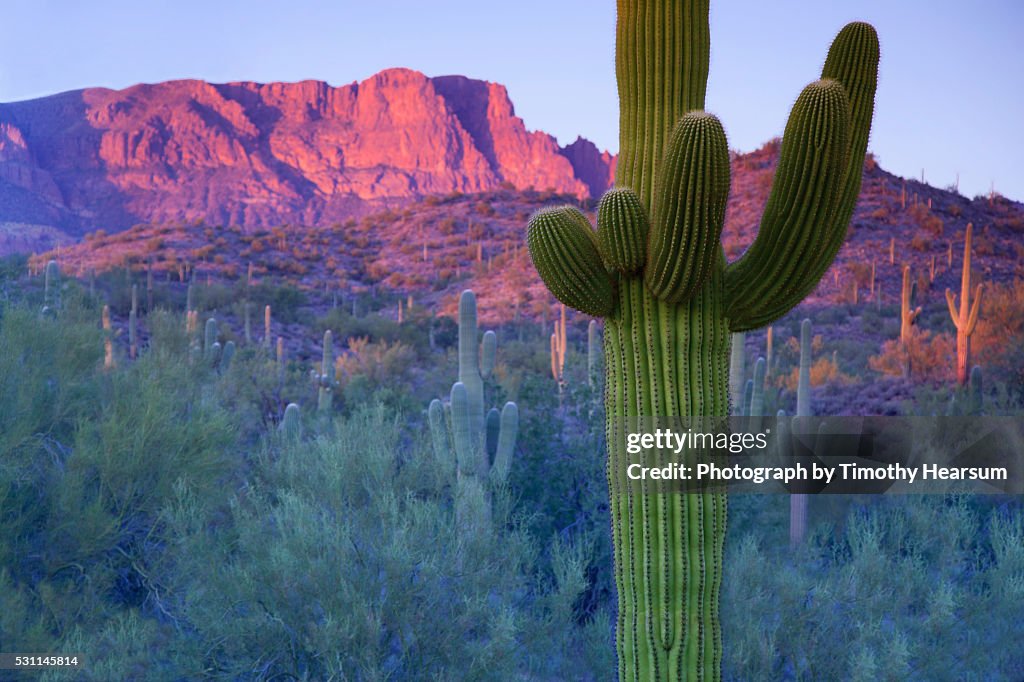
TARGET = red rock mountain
(267,154)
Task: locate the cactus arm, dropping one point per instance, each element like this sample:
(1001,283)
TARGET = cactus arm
(487,355)
(954,314)
(794,245)
(622,230)
(689,208)
(972,317)
(802,231)
(564,251)
(506,442)
(493,427)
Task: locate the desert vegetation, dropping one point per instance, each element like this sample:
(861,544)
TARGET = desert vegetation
(162,518)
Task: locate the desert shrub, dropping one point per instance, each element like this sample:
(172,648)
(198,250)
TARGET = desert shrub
(927,356)
(342,559)
(880,593)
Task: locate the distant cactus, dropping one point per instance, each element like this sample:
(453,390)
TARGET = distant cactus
(266,328)
(559,345)
(483,446)
(108,339)
(325,378)
(291,424)
(756,408)
(737,369)
(966,318)
(798,501)
(907,315)
(51,286)
(803,386)
(769,340)
(226,356)
(211,348)
(133,348)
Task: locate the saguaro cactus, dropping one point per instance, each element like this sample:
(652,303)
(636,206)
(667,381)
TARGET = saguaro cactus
(325,378)
(966,318)
(656,272)
(482,443)
(737,368)
(798,501)
(133,321)
(108,338)
(51,287)
(907,314)
(266,328)
(559,345)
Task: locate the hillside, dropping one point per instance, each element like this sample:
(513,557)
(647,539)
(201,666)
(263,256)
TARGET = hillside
(438,245)
(257,155)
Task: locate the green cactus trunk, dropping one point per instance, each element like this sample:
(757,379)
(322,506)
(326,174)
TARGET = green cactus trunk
(668,547)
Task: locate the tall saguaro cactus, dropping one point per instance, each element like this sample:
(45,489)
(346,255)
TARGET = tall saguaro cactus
(966,318)
(656,272)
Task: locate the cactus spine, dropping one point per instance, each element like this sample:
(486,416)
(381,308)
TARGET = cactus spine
(670,301)
(480,458)
(966,318)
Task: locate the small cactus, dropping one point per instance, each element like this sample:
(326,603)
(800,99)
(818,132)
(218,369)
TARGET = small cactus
(210,346)
(325,378)
(737,369)
(291,423)
(226,355)
(51,286)
(266,328)
(558,349)
(108,339)
(133,348)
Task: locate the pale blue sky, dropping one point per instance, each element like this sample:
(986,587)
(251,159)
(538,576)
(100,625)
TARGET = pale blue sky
(950,98)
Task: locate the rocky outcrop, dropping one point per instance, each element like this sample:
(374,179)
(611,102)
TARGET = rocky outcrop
(266,154)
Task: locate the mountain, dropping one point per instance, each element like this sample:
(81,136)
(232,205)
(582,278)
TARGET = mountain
(257,154)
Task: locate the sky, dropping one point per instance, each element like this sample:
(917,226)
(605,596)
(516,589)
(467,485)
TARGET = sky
(949,103)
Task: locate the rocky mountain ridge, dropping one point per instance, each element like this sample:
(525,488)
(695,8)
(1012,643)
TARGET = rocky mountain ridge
(258,155)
